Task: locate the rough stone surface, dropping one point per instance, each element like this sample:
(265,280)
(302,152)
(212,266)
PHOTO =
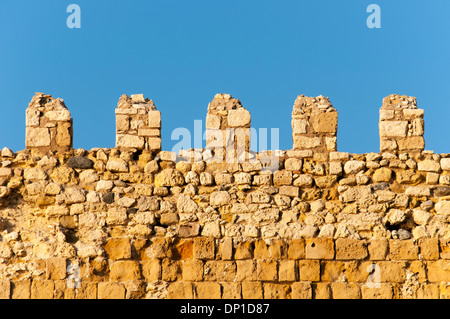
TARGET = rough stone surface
(137,222)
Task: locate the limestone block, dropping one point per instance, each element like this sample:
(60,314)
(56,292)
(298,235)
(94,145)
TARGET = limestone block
(56,268)
(122,122)
(353,167)
(413,113)
(111,290)
(118,248)
(309,270)
(443,207)
(154,143)
(411,143)
(302,142)
(42,289)
(64,134)
(37,137)
(32,117)
(266,270)
(445,164)
(393,128)
(212,121)
(299,126)
(58,115)
(21,289)
(132,141)
(386,115)
(319,248)
(125,270)
(350,249)
(149,132)
(154,119)
(324,122)
(208,290)
(429,166)
(238,118)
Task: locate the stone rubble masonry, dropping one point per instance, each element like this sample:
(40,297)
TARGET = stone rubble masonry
(227,129)
(48,124)
(401,125)
(138,124)
(314,124)
(135,222)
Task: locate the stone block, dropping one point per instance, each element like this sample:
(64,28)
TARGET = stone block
(445,164)
(42,289)
(252,290)
(131,141)
(403,249)
(245,270)
(56,268)
(282,178)
(378,249)
(287,270)
(111,290)
(309,270)
(154,119)
(58,115)
(220,270)
(37,137)
(231,290)
(411,143)
(438,270)
(21,289)
(276,290)
(180,290)
(238,118)
(393,128)
(204,248)
(344,290)
(299,126)
(332,270)
(392,271)
(296,249)
(212,122)
(324,122)
(151,269)
(118,248)
(122,123)
(149,132)
(321,290)
(350,249)
(5,289)
(170,270)
(192,270)
(319,248)
(301,290)
(429,248)
(383,291)
(124,270)
(429,166)
(304,142)
(207,290)
(266,270)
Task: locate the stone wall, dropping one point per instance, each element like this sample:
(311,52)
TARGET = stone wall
(137,222)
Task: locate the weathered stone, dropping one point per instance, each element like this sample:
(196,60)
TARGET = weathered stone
(238,118)
(393,128)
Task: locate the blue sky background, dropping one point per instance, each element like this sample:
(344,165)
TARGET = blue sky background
(265,53)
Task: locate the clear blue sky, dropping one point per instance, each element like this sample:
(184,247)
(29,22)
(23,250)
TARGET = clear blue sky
(265,53)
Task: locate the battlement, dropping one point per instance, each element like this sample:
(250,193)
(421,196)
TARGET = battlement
(136,221)
(314,125)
